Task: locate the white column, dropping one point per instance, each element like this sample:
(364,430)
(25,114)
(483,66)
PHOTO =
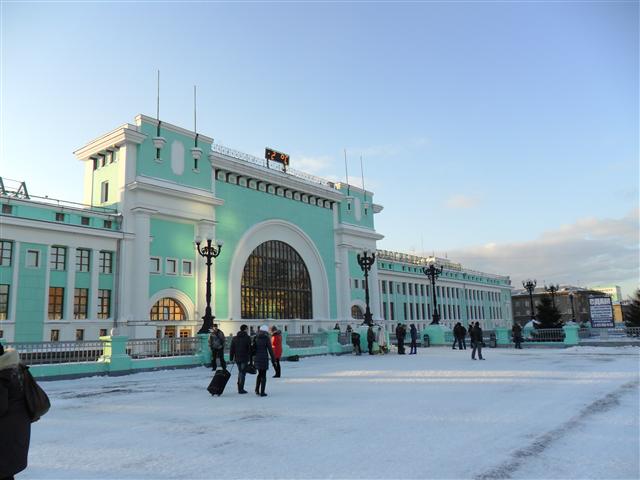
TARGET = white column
(374,293)
(140,266)
(14,283)
(343,285)
(69,292)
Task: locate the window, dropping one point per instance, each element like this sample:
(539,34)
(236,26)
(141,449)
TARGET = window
(404,289)
(167,309)
(171,267)
(105,263)
(390,286)
(417,312)
(422,308)
(411,310)
(79,335)
(404,310)
(1,333)
(33,258)
(82,259)
(384,310)
(80,302)
(6,252)
(7,209)
(55,335)
(356,285)
(104,192)
(356,312)
(104,303)
(56,303)
(422,290)
(4,301)
(392,311)
(107,223)
(59,217)
(58,258)
(103,332)
(275,283)
(411,289)
(384,286)
(187,268)
(84,220)
(154,265)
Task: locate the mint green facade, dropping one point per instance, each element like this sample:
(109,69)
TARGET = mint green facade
(30,306)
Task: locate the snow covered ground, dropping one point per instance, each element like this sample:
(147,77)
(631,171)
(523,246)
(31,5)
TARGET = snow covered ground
(533,413)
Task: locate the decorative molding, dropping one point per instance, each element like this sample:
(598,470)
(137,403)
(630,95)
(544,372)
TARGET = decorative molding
(115,138)
(172,128)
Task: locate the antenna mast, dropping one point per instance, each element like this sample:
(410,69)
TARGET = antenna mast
(346,171)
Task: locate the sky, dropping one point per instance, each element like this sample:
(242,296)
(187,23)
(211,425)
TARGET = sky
(503,135)
(521,414)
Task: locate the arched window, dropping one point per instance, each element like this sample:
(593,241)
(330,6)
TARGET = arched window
(167,309)
(275,283)
(356,312)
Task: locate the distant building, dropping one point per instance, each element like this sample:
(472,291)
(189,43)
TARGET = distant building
(613,291)
(563,300)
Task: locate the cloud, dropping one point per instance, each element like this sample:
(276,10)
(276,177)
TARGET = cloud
(462,201)
(313,165)
(588,252)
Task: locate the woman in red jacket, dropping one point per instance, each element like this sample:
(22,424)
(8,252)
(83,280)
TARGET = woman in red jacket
(276,344)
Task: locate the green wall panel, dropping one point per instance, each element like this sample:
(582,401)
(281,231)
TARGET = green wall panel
(30,308)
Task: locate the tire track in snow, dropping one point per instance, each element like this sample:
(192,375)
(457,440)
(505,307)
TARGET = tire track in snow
(541,443)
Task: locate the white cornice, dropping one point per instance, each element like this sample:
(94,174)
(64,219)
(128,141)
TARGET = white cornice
(85,210)
(355,231)
(172,128)
(63,227)
(274,177)
(163,187)
(115,138)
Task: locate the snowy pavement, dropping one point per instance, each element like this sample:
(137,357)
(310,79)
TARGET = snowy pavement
(536,413)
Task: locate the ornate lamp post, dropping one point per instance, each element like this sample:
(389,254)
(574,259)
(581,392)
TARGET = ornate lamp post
(208,252)
(366,261)
(573,311)
(433,272)
(552,289)
(530,286)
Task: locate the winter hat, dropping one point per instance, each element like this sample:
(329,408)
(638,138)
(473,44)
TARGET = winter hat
(264,328)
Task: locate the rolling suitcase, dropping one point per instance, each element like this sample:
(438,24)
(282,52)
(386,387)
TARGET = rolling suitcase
(219,381)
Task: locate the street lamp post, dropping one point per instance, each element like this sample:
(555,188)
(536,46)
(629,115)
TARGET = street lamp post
(530,286)
(573,311)
(366,261)
(209,252)
(433,272)
(552,289)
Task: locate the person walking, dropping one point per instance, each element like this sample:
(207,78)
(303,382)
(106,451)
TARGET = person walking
(216,344)
(382,339)
(400,333)
(471,325)
(477,341)
(516,330)
(15,423)
(355,341)
(456,336)
(371,337)
(413,331)
(262,351)
(276,344)
(240,351)
(463,336)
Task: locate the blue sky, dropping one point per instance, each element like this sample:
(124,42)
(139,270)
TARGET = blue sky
(488,130)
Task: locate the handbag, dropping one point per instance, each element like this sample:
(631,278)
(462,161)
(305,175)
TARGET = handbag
(35,397)
(251,369)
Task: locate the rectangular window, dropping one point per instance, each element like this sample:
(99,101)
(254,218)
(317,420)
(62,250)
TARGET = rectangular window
(59,217)
(58,258)
(4,301)
(104,192)
(103,332)
(404,310)
(422,290)
(355,283)
(105,263)
(187,268)
(384,286)
(84,220)
(171,266)
(390,286)
(6,252)
(154,265)
(422,308)
(417,312)
(411,289)
(411,309)
(1,333)
(104,304)
(56,303)
(107,223)
(384,310)
(82,259)
(55,335)
(404,289)
(79,335)
(392,310)
(7,209)
(80,303)
(32,258)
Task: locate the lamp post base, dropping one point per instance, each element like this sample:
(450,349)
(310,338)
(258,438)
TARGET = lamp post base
(207,324)
(368,319)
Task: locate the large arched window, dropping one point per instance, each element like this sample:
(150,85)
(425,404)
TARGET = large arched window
(356,312)
(167,309)
(275,283)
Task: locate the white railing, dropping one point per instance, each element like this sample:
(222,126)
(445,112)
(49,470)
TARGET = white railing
(42,353)
(162,347)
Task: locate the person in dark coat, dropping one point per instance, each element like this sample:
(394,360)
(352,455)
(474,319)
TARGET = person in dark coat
(371,337)
(337,327)
(15,424)
(276,344)
(355,341)
(413,331)
(456,336)
(477,341)
(463,336)
(516,330)
(216,344)
(400,333)
(262,351)
(241,352)
(471,325)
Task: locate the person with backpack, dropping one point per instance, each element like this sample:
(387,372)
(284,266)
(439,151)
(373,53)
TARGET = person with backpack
(241,352)
(400,333)
(216,344)
(355,341)
(413,331)
(15,422)
(262,350)
(276,344)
